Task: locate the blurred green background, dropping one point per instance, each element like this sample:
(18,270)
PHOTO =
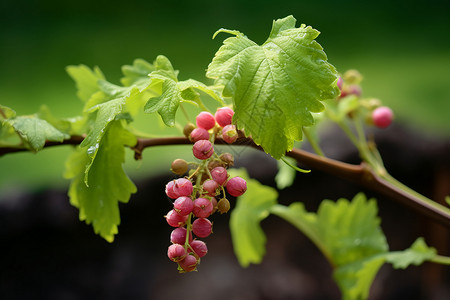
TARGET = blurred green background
(401,47)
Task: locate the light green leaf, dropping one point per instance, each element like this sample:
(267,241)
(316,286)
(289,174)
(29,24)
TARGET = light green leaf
(85,79)
(108,183)
(136,73)
(286,175)
(415,255)
(251,208)
(174,92)
(6,112)
(275,86)
(349,235)
(34,132)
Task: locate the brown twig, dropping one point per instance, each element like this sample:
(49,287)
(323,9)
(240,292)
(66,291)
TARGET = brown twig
(359,174)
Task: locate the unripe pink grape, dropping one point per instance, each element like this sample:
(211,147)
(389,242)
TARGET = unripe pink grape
(236,186)
(219,175)
(174,219)
(178,236)
(214,204)
(199,134)
(199,247)
(210,186)
(189,263)
(229,134)
(205,120)
(169,190)
(183,187)
(203,149)
(202,227)
(183,205)
(382,116)
(202,208)
(176,252)
(223,116)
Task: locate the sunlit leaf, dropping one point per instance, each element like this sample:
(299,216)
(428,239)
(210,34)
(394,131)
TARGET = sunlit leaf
(275,86)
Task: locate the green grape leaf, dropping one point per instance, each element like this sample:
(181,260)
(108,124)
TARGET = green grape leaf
(174,92)
(275,86)
(34,132)
(251,208)
(108,183)
(85,79)
(349,235)
(136,73)
(286,174)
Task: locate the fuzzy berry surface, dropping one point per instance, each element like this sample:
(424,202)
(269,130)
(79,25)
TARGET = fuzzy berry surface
(219,175)
(202,207)
(176,252)
(182,187)
(382,117)
(178,236)
(203,149)
(236,186)
(205,120)
(199,134)
(189,263)
(224,116)
(174,219)
(199,247)
(169,190)
(183,205)
(202,227)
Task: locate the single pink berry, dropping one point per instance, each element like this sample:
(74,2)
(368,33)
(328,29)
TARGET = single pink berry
(229,134)
(210,187)
(169,190)
(219,175)
(183,205)
(203,149)
(199,247)
(223,116)
(205,120)
(176,252)
(236,186)
(199,134)
(183,187)
(382,116)
(178,236)
(202,207)
(202,227)
(189,263)
(174,219)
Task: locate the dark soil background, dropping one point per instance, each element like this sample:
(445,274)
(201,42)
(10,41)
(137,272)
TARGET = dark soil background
(46,253)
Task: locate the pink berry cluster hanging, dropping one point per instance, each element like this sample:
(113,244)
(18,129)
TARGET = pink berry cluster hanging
(195,196)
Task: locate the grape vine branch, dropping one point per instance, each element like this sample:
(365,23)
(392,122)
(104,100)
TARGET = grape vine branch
(360,174)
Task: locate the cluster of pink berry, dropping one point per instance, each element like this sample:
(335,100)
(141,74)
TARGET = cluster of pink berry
(195,195)
(378,115)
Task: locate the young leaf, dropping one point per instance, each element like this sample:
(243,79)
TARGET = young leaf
(85,79)
(108,183)
(349,235)
(137,72)
(174,92)
(34,131)
(251,208)
(275,86)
